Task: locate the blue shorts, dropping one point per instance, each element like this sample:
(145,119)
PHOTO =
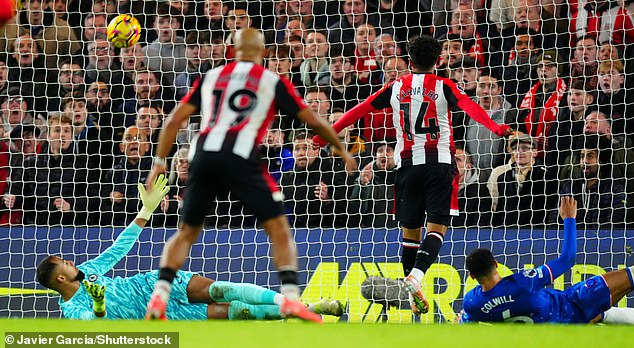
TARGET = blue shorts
(179,307)
(591,298)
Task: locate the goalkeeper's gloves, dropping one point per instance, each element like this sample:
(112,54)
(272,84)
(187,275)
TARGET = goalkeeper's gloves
(98,294)
(152,199)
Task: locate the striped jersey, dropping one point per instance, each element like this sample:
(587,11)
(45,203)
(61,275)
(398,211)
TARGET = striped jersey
(237,102)
(421,105)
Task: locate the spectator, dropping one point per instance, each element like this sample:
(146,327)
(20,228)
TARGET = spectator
(617,25)
(198,51)
(237,18)
(297,58)
(148,90)
(584,63)
(4,78)
(452,52)
(167,52)
(131,169)
(67,10)
(587,19)
(317,99)
(519,69)
(279,159)
(70,81)
(95,26)
(602,199)
(23,145)
(394,67)
(314,69)
(179,173)
(111,124)
(58,178)
(486,150)
(569,124)
(465,73)
(365,63)
(531,15)
(355,144)
(150,120)
(310,189)
(525,193)
(103,67)
(407,19)
(214,12)
(475,37)
(218,52)
(614,98)
(85,131)
(384,47)
(132,59)
(373,192)
(278,59)
(15,109)
(607,51)
(29,72)
(540,106)
(473,197)
(53,36)
(345,91)
(354,13)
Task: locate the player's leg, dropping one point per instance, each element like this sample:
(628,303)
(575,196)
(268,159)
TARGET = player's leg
(621,283)
(199,195)
(409,212)
(260,195)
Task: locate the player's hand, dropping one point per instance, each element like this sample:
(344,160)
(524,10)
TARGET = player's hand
(350,162)
(98,294)
(152,198)
(157,169)
(8,200)
(366,174)
(321,191)
(61,204)
(318,141)
(568,207)
(507,132)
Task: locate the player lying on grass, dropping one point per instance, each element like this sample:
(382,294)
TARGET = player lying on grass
(85,290)
(523,297)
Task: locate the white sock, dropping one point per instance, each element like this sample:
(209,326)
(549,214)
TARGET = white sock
(616,315)
(417,274)
(278,299)
(163,289)
(290,291)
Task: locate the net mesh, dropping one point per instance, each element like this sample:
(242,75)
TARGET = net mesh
(558,72)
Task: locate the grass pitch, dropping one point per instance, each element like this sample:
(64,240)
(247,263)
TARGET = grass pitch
(224,334)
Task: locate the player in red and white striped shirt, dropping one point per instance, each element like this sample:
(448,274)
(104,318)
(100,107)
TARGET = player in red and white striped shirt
(427,179)
(237,103)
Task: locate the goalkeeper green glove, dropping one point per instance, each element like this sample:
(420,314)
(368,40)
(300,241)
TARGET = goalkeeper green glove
(98,294)
(152,199)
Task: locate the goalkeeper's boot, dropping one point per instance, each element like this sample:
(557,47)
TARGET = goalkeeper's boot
(156,308)
(416,298)
(295,309)
(327,306)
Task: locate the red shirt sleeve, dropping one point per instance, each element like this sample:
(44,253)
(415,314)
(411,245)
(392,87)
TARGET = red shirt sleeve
(457,97)
(287,98)
(377,101)
(193,96)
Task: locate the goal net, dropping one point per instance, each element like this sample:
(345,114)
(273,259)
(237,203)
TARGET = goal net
(81,118)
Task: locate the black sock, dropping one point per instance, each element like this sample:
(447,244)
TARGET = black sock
(167,274)
(428,251)
(288,277)
(409,249)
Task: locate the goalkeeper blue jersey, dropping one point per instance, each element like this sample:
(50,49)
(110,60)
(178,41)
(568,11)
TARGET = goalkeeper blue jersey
(127,298)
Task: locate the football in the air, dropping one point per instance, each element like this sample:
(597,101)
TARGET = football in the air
(124,31)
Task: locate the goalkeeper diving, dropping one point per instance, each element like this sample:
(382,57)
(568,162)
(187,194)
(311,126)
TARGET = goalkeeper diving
(87,294)
(525,297)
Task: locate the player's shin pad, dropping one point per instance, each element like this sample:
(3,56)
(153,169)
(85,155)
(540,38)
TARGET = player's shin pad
(385,291)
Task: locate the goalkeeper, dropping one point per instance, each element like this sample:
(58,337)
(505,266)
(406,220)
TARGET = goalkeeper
(524,297)
(87,294)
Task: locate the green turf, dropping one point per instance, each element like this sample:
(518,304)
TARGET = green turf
(225,334)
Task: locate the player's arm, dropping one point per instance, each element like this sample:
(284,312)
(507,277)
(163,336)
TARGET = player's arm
(461,100)
(377,101)
(189,105)
(568,212)
(122,245)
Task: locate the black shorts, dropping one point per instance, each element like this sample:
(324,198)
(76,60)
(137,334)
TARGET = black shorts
(426,188)
(212,173)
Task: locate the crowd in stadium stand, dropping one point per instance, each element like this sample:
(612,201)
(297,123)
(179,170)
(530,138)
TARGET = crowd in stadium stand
(80,119)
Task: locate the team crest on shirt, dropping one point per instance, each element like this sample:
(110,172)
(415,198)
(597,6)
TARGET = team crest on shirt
(93,278)
(533,272)
(460,89)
